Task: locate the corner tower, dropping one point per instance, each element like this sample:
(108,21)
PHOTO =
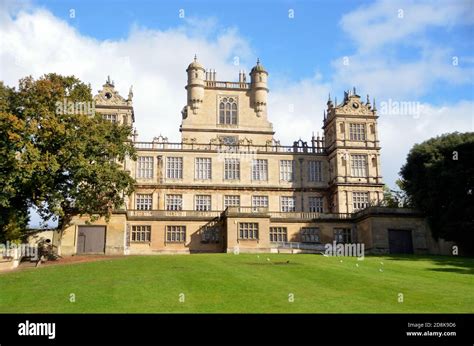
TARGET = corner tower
(351,139)
(259,89)
(195,85)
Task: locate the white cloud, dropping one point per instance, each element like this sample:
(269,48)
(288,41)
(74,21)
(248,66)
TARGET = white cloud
(386,77)
(296,109)
(398,133)
(385,30)
(153,61)
(392,22)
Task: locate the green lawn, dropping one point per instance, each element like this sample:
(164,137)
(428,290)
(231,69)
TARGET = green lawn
(244,283)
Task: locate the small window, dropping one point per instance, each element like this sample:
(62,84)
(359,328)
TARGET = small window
(144,201)
(315,204)
(248,230)
(360,200)
(342,235)
(357,132)
(359,165)
(141,234)
(287,170)
(174,168)
(203,202)
(231,201)
(310,235)
(315,171)
(110,117)
(288,204)
(145,167)
(210,235)
(259,169)
(231,169)
(278,234)
(175,234)
(203,168)
(174,202)
(259,202)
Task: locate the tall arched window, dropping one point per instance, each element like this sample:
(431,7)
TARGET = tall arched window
(228,111)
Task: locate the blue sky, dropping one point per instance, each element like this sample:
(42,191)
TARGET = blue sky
(400,51)
(291,49)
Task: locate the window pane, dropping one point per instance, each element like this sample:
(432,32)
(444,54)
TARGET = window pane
(228,111)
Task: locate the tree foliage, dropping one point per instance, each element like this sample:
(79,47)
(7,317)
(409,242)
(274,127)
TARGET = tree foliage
(63,164)
(438,179)
(395,198)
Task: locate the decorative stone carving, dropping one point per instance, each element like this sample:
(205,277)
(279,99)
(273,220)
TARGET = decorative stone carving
(108,96)
(273,142)
(184,112)
(160,139)
(245,141)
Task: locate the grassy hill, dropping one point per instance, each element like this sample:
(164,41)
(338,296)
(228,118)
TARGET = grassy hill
(244,283)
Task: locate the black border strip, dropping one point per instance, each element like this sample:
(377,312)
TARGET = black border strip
(238,329)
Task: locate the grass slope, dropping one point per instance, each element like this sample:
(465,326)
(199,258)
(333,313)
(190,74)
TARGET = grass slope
(244,283)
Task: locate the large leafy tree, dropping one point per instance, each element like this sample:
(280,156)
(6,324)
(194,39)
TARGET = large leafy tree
(438,178)
(63,161)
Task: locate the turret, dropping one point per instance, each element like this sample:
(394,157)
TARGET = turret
(196,83)
(353,150)
(259,88)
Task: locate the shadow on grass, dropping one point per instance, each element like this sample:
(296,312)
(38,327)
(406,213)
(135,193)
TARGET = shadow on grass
(462,265)
(269,263)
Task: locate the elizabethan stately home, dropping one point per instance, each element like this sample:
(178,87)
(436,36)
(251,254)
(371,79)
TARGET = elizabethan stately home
(230,185)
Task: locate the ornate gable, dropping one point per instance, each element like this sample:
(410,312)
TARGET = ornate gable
(108,96)
(353,105)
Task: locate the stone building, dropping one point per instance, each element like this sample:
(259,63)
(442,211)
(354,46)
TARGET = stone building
(229,185)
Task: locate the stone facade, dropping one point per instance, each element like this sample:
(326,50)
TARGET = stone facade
(229,185)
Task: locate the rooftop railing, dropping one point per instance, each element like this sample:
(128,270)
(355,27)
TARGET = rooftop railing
(173,213)
(227,85)
(263,211)
(246,210)
(316,148)
(235,211)
(287,215)
(310,215)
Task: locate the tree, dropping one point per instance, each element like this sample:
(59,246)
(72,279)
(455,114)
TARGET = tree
(395,198)
(63,161)
(438,179)
(13,205)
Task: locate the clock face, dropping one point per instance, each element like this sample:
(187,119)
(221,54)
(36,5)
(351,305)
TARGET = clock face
(108,95)
(355,105)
